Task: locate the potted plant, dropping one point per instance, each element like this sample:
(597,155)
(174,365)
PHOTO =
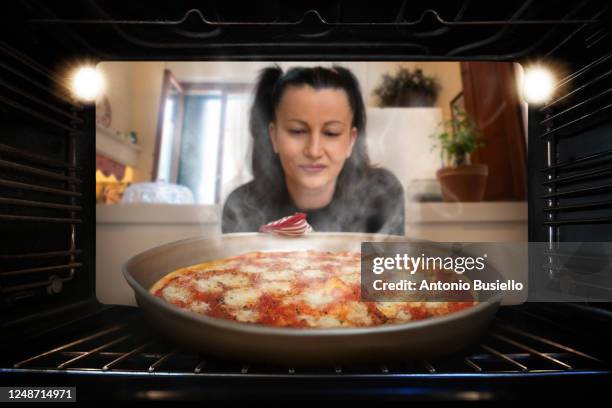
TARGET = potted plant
(408,88)
(460,180)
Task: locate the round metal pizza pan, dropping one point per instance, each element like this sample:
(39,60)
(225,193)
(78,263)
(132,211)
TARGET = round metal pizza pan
(422,339)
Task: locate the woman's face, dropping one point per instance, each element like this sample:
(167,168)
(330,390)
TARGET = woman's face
(312,135)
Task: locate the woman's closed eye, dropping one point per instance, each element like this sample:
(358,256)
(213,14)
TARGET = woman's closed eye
(328,133)
(297,131)
(332,134)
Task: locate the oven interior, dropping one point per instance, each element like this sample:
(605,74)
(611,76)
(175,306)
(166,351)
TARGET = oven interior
(55,332)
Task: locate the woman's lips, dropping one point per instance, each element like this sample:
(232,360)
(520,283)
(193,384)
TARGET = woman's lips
(313,168)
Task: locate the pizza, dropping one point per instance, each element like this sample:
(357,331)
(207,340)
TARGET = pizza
(298,289)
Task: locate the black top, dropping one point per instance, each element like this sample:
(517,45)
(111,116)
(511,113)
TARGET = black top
(374,205)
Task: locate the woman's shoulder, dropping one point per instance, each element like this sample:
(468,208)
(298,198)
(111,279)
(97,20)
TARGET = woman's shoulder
(384,202)
(384,179)
(242,192)
(242,199)
(252,194)
(241,212)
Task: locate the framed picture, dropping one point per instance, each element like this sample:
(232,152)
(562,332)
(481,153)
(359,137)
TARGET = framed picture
(104,114)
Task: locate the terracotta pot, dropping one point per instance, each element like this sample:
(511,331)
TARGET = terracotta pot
(415,98)
(466,183)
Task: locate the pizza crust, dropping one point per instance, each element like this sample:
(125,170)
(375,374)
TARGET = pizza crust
(186,270)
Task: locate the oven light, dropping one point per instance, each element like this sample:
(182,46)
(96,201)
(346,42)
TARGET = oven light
(538,84)
(86,83)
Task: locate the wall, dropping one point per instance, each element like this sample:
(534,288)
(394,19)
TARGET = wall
(145,88)
(117,78)
(134,90)
(448,73)
(369,74)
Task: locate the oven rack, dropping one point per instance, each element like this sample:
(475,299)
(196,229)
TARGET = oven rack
(430,30)
(127,345)
(571,197)
(42,193)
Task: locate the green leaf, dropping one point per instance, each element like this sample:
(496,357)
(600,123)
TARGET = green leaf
(461,136)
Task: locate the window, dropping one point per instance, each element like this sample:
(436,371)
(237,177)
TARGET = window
(168,129)
(204,139)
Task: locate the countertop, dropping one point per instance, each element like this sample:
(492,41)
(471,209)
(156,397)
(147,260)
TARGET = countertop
(416,213)
(145,213)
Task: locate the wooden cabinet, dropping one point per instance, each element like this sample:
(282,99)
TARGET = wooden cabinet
(491,98)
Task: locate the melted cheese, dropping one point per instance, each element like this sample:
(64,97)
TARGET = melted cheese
(304,254)
(317,298)
(336,284)
(313,274)
(232,280)
(358,313)
(277,288)
(239,298)
(174,293)
(351,279)
(245,315)
(436,305)
(208,285)
(252,268)
(350,269)
(325,321)
(301,263)
(328,321)
(216,283)
(310,320)
(334,264)
(199,307)
(278,275)
(389,309)
(403,316)
(395,311)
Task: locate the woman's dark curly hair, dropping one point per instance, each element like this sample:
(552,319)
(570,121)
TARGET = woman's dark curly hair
(272,82)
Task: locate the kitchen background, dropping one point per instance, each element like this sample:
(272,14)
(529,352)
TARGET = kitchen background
(172,142)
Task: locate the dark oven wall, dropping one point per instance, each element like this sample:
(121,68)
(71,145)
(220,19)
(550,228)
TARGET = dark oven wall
(47,147)
(47,208)
(570,148)
(58,331)
(570,168)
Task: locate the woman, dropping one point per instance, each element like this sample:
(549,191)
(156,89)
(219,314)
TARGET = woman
(309,155)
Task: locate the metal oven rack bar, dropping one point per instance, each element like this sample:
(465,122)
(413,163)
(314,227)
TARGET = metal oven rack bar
(429,31)
(37,188)
(575,188)
(132,347)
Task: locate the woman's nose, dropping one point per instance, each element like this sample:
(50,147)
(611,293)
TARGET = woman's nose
(313,148)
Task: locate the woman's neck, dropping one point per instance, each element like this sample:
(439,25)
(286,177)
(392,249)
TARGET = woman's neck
(311,199)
